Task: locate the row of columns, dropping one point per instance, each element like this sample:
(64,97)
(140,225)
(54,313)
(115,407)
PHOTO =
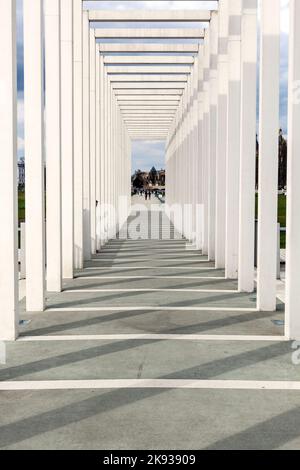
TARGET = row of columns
(226,148)
(80,143)
(210,151)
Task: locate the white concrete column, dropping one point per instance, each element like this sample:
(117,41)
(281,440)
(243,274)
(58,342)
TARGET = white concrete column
(86,138)
(199,217)
(34,154)
(195,133)
(114,137)
(53,145)
(22,251)
(98,147)
(222,134)
(102,150)
(78,135)
(106,157)
(292,328)
(268,155)
(93,142)
(248,146)
(233,140)
(66,8)
(184,155)
(188,163)
(213,95)
(205,166)
(109,160)
(8,174)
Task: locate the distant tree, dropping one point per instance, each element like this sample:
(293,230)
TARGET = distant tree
(282,171)
(257,164)
(282,160)
(153,175)
(138,180)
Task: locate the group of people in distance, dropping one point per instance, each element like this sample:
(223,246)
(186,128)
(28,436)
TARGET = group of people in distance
(147,194)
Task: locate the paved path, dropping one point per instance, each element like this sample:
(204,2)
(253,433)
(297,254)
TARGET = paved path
(150,347)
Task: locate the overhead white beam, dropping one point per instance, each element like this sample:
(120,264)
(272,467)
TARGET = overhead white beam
(144,99)
(146,114)
(146,121)
(148,104)
(8,174)
(150,69)
(138,86)
(148,137)
(177,16)
(153,125)
(155,33)
(148,59)
(154,106)
(147,132)
(147,78)
(148,94)
(150,112)
(149,48)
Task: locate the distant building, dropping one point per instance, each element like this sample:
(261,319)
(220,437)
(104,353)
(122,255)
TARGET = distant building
(21,174)
(146,180)
(161,175)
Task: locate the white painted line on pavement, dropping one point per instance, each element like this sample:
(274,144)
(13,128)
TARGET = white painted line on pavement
(153,277)
(149,384)
(151,267)
(204,291)
(152,337)
(136,309)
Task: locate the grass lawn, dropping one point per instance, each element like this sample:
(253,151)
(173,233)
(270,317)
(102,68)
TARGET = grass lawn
(281,215)
(21,199)
(281,212)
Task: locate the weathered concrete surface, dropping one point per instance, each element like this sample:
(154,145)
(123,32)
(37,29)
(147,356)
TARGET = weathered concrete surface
(153,321)
(149,359)
(150,418)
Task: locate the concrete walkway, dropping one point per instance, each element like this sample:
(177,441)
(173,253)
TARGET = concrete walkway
(150,347)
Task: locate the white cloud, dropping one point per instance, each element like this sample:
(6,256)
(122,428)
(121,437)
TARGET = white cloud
(146,154)
(20,125)
(285,15)
(21,144)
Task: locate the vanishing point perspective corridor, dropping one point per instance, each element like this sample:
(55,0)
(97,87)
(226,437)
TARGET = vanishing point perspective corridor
(149,310)
(136,349)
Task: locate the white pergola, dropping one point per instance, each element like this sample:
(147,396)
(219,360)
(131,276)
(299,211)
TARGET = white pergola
(98,96)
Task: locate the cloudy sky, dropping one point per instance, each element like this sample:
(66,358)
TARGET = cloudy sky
(147,154)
